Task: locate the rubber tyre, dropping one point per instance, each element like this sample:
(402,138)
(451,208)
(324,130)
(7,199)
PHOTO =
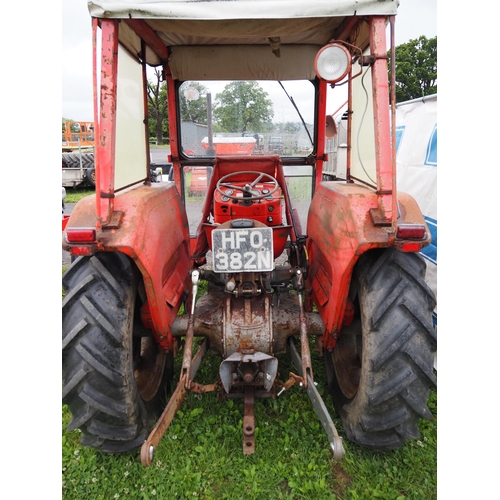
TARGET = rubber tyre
(90,177)
(72,160)
(69,160)
(380,373)
(114,381)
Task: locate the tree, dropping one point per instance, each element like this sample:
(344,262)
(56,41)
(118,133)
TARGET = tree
(193,103)
(293,127)
(242,106)
(157,107)
(416,68)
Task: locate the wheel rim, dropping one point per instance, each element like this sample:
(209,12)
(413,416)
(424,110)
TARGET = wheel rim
(149,367)
(347,360)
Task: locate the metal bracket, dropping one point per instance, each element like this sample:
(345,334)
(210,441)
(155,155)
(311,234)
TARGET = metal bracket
(379,219)
(324,417)
(203,389)
(188,346)
(292,380)
(114,221)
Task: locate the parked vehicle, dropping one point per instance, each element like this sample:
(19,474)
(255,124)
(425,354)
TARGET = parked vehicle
(78,139)
(289,260)
(276,145)
(78,165)
(199,182)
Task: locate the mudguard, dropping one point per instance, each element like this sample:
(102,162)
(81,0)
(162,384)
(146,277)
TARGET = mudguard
(152,228)
(340,229)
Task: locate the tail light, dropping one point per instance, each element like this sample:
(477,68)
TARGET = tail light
(81,235)
(82,240)
(411,237)
(410,232)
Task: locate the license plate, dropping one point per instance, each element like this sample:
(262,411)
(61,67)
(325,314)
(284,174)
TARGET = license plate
(242,250)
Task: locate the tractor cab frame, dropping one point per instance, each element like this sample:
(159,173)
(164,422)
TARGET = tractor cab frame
(349,280)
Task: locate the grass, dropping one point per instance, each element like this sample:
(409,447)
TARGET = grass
(300,188)
(73,195)
(201,454)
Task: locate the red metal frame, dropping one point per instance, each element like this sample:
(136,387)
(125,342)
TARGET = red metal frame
(173,127)
(145,33)
(146,111)
(106,142)
(386,171)
(321,139)
(164,261)
(338,229)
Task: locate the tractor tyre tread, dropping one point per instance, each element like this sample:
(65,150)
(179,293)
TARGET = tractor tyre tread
(72,160)
(399,343)
(98,377)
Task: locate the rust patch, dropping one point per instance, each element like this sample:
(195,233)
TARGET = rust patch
(248,325)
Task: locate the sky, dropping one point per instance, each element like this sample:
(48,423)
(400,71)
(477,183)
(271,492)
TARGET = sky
(415,18)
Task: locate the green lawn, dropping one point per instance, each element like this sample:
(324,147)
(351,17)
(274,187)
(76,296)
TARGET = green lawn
(201,455)
(73,195)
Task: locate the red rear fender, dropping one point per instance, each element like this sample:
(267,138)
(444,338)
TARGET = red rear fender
(152,228)
(340,228)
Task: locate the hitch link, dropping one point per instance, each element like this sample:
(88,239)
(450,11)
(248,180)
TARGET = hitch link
(188,345)
(304,341)
(190,366)
(324,417)
(249,421)
(149,446)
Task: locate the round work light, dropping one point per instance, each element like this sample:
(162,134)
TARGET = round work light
(332,62)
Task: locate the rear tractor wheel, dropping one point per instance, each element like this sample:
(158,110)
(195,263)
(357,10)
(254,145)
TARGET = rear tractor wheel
(380,373)
(115,376)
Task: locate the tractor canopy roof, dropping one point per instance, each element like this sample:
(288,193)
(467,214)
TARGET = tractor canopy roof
(246,39)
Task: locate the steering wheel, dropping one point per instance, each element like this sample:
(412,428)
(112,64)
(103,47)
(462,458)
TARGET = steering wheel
(249,194)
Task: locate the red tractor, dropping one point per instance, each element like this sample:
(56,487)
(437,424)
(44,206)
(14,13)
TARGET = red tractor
(288,261)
